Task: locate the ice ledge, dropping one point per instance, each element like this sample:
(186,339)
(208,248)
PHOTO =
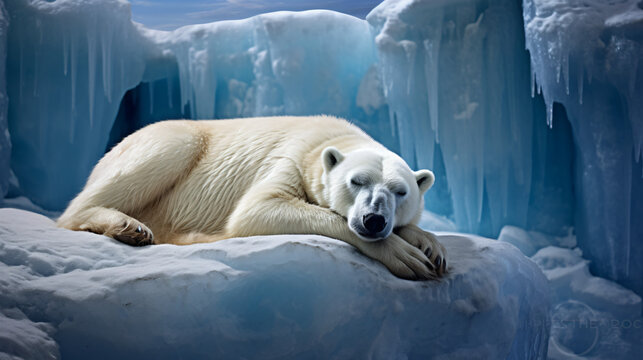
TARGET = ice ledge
(268,297)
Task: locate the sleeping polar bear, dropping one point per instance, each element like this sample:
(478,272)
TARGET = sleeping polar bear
(201,181)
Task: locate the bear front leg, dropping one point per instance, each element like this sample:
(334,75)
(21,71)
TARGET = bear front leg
(427,243)
(109,222)
(273,209)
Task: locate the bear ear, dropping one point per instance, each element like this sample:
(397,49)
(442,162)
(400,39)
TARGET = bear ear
(331,157)
(424,179)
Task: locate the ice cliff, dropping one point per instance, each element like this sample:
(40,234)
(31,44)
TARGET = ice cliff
(586,56)
(81,295)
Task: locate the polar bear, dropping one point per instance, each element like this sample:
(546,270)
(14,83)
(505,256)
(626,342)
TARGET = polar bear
(184,182)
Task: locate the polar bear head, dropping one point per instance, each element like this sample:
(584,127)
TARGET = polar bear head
(374,189)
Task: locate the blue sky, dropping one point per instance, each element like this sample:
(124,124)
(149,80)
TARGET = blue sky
(170,14)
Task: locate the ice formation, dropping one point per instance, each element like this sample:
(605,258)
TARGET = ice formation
(592,318)
(77,294)
(452,71)
(68,66)
(585,55)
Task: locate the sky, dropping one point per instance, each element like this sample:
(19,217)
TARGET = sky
(171,14)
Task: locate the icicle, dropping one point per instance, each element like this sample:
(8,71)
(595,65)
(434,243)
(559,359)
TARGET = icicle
(479,189)
(184,85)
(550,113)
(410,49)
(72,53)
(432,58)
(106,47)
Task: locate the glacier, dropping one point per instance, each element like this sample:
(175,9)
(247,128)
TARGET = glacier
(80,295)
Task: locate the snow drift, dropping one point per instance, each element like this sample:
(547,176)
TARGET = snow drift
(592,317)
(82,295)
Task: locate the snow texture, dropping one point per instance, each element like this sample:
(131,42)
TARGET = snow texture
(585,55)
(435,222)
(83,295)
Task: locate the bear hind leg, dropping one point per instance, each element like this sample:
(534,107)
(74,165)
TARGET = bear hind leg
(115,224)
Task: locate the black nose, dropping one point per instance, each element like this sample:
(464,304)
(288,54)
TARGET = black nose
(374,223)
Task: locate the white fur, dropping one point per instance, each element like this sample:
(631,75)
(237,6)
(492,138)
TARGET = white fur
(187,182)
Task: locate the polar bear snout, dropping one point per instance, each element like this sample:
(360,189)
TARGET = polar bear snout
(374,223)
(372,216)
(371,226)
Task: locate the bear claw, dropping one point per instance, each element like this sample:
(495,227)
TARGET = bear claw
(134,234)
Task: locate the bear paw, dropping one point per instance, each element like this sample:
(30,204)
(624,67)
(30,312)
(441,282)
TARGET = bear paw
(401,258)
(428,244)
(132,232)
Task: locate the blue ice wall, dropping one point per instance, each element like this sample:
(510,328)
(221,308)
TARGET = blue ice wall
(447,84)
(69,64)
(586,56)
(456,78)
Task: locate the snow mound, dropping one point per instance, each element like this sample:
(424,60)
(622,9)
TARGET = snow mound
(83,295)
(592,317)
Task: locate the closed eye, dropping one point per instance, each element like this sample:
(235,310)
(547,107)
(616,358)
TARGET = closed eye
(357,181)
(401,193)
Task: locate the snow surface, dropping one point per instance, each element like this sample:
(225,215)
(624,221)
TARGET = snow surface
(592,317)
(83,295)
